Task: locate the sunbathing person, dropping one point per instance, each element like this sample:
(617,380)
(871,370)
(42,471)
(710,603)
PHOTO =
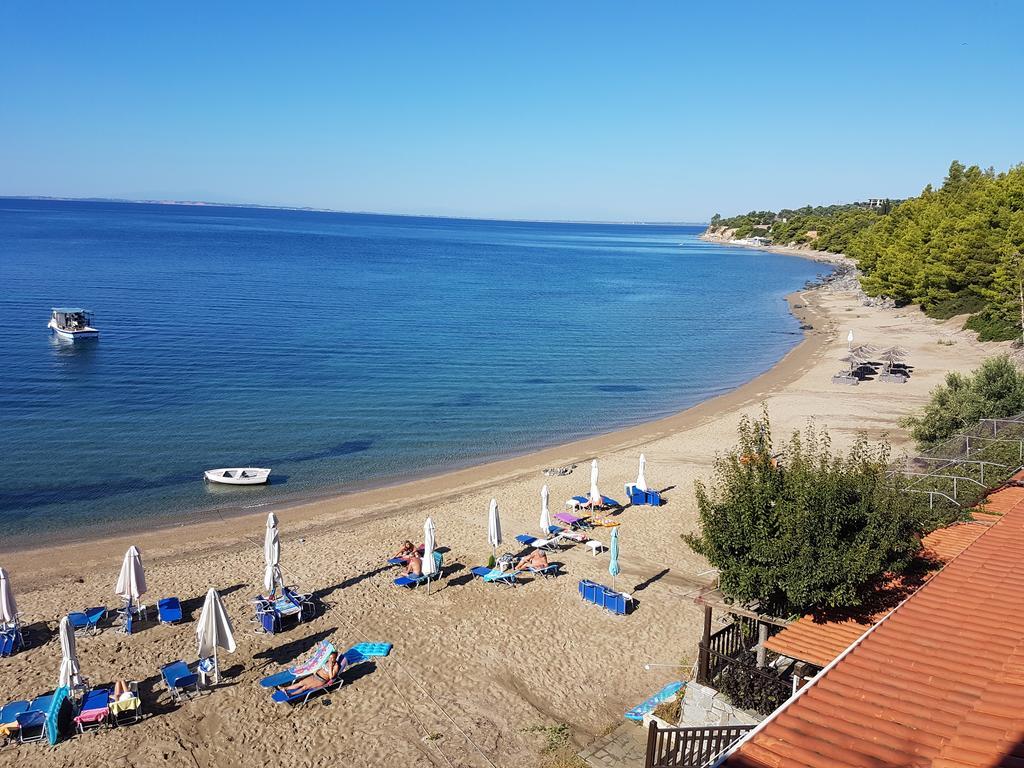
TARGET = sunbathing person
(326,674)
(414,565)
(122,691)
(536,559)
(407,550)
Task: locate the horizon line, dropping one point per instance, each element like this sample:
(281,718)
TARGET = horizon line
(313,209)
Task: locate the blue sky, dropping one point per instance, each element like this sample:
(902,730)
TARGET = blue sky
(590,110)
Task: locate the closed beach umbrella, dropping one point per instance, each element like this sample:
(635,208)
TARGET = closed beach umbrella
(849,339)
(214,630)
(494,526)
(131,582)
(433,529)
(429,566)
(70,675)
(272,556)
(545,515)
(613,556)
(595,495)
(8,608)
(641,479)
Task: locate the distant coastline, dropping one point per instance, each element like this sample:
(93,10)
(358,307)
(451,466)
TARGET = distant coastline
(724,236)
(313,209)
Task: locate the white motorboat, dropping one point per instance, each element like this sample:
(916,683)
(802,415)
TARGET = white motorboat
(237,475)
(73,324)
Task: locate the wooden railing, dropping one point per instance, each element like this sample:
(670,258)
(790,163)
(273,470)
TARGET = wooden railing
(689,747)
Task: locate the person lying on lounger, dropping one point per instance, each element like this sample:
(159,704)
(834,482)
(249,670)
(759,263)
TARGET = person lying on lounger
(327,673)
(536,559)
(414,566)
(408,550)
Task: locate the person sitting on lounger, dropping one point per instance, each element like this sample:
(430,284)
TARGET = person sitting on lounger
(326,674)
(536,560)
(414,565)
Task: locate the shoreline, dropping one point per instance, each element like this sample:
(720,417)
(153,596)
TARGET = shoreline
(503,664)
(345,507)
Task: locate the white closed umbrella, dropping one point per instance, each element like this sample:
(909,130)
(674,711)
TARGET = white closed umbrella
(131,582)
(641,479)
(214,631)
(849,339)
(272,578)
(70,675)
(545,514)
(595,495)
(494,527)
(429,566)
(8,608)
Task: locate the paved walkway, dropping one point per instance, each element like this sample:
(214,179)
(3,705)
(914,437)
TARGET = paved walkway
(625,747)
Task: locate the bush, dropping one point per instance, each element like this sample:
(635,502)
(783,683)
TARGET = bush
(992,327)
(813,531)
(995,390)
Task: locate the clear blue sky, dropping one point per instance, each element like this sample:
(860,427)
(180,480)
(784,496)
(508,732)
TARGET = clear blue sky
(589,110)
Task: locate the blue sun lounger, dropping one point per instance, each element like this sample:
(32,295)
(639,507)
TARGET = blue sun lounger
(606,501)
(179,679)
(357,654)
(32,722)
(10,641)
(87,621)
(168,610)
(549,571)
(9,712)
(494,576)
(415,581)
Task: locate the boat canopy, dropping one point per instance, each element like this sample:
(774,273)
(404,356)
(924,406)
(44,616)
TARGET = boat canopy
(71,311)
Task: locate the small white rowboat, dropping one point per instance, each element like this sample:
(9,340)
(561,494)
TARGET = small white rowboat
(237,476)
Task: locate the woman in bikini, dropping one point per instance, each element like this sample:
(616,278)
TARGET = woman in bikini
(326,674)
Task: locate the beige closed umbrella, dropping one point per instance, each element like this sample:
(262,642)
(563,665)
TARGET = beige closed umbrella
(214,631)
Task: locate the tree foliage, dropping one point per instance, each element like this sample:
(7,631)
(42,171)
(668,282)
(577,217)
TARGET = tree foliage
(995,390)
(811,532)
(953,250)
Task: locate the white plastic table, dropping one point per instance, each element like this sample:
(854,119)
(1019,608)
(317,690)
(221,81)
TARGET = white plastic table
(595,546)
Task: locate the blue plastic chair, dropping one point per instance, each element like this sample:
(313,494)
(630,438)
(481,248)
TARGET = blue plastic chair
(179,679)
(168,610)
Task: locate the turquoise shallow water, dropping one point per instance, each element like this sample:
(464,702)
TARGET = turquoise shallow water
(343,350)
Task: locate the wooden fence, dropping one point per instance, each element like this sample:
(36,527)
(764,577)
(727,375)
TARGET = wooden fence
(689,747)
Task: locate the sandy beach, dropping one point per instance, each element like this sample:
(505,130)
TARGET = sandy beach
(475,667)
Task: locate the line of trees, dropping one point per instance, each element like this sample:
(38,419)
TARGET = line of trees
(953,250)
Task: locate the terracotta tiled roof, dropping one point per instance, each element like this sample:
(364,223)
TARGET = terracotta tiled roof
(819,640)
(939,682)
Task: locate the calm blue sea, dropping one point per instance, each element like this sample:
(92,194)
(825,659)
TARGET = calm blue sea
(343,350)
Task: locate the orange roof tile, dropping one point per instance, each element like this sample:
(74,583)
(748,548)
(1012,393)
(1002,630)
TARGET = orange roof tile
(939,682)
(819,640)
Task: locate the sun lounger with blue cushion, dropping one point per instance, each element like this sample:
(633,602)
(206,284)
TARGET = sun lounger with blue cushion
(87,621)
(548,571)
(179,679)
(354,655)
(547,545)
(94,710)
(32,722)
(168,610)
(606,502)
(494,576)
(409,580)
(9,715)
